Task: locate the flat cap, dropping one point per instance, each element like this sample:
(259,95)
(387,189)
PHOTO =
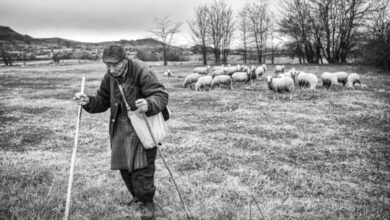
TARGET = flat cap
(114,54)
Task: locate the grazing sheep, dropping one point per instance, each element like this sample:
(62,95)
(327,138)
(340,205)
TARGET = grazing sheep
(218,68)
(329,79)
(222,80)
(306,80)
(218,72)
(260,70)
(203,82)
(342,77)
(352,79)
(230,70)
(244,68)
(168,73)
(240,77)
(280,85)
(279,69)
(190,79)
(289,73)
(202,70)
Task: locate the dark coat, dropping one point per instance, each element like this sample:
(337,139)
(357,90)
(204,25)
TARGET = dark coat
(139,82)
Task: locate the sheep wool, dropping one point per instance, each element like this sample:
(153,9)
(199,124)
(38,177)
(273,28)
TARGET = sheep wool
(342,77)
(281,85)
(192,78)
(286,74)
(307,80)
(240,77)
(279,69)
(202,70)
(168,73)
(260,70)
(203,82)
(221,80)
(352,79)
(218,72)
(329,79)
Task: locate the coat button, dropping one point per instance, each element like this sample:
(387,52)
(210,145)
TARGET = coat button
(113,120)
(116,104)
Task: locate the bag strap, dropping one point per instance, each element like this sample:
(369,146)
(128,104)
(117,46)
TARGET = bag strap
(123,95)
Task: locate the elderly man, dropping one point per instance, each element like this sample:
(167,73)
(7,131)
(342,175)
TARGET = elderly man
(143,92)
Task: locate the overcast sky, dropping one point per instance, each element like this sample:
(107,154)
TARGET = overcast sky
(98,20)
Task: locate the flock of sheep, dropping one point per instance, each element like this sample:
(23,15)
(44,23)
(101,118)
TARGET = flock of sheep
(280,82)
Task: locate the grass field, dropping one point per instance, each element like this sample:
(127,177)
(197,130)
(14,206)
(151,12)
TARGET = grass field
(321,155)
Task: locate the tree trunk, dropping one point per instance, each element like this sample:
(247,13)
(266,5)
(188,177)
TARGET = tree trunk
(245,55)
(165,55)
(204,53)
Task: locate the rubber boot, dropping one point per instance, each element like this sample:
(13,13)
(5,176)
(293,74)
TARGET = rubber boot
(148,211)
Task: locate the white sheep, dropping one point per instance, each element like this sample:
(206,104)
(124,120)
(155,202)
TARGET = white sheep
(222,80)
(240,77)
(202,70)
(190,79)
(342,77)
(260,70)
(329,79)
(289,73)
(352,79)
(279,69)
(244,68)
(306,80)
(218,72)
(230,70)
(168,73)
(203,82)
(280,85)
(218,68)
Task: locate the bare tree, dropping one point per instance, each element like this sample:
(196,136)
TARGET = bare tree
(243,28)
(258,24)
(228,30)
(272,33)
(165,30)
(199,27)
(326,27)
(221,28)
(375,49)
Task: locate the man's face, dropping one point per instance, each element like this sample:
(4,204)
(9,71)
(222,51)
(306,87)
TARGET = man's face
(116,69)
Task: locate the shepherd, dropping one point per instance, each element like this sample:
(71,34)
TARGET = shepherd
(144,93)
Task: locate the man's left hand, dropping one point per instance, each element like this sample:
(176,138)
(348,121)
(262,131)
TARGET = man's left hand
(142,105)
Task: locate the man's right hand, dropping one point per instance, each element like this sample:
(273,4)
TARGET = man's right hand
(81,98)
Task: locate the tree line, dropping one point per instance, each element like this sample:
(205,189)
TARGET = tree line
(314,31)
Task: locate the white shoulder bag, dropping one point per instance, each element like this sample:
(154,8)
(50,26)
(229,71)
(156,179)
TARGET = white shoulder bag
(150,130)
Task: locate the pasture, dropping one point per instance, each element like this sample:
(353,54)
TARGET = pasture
(321,155)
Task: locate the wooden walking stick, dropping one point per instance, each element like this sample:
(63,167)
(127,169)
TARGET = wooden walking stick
(76,140)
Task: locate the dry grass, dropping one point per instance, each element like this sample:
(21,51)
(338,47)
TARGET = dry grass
(322,155)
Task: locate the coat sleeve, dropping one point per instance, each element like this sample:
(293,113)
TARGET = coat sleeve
(154,92)
(101,101)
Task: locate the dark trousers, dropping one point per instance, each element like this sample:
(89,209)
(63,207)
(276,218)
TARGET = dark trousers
(140,182)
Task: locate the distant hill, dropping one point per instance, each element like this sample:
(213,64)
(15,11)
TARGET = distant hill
(12,40)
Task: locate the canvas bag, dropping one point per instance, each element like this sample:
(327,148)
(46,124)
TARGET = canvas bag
(144,125)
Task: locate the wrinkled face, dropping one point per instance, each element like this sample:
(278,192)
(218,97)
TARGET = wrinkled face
(116,69)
